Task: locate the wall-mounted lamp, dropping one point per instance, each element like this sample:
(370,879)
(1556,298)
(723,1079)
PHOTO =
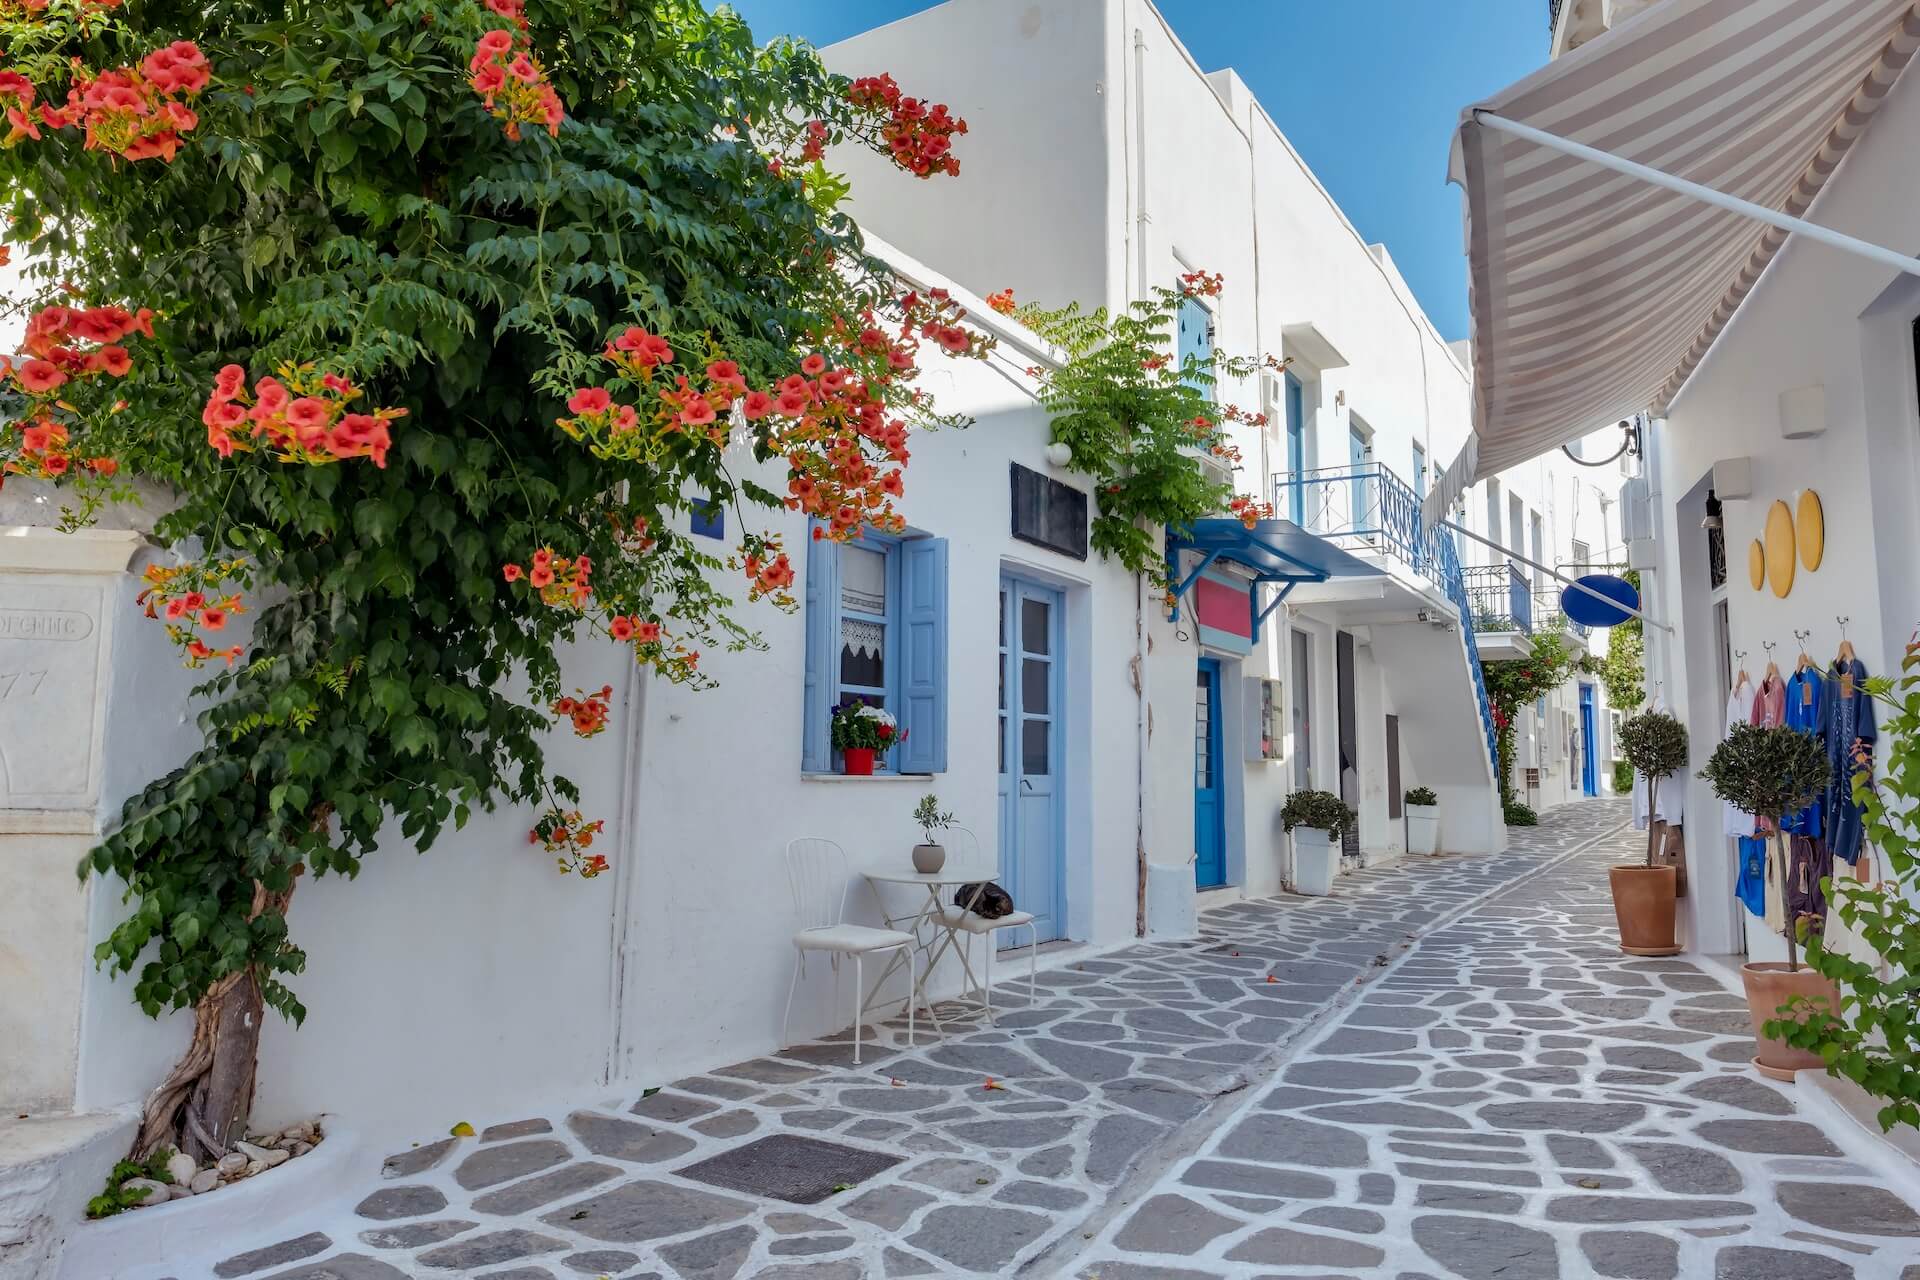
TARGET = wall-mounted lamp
(1059,454)
(1712,520)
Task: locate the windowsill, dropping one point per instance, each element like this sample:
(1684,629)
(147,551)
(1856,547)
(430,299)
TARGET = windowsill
(865,777)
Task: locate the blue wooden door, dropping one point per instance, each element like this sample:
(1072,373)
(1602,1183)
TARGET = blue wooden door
(1296,452)
(1589,766)
(1209,826)
(1032,834)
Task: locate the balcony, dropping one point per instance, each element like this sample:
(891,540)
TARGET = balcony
(1367,510)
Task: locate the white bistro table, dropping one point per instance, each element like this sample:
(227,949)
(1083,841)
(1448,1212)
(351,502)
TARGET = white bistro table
(934,936)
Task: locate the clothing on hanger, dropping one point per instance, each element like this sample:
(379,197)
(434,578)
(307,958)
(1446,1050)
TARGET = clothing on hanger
(1775,914)
(1808,862)
(1806,710)
(1751,888)
(1769,710)
(1850,734)
(1734,821)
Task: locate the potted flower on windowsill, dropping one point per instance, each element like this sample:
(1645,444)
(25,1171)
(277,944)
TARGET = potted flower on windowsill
(858,731)
(1770,773)
(1315,820)
(1655,743)
(1423,821)
(929,855)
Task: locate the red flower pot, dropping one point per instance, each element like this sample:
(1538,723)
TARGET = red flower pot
(858,761)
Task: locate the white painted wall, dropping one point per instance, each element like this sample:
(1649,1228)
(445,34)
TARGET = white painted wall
(1818,316)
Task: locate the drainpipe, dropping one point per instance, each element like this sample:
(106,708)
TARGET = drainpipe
(1142,715)
(625,950)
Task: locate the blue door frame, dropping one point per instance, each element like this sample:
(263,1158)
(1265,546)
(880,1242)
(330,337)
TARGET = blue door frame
(1032,754)
(1296,452)
(1209,813)
(1589,766)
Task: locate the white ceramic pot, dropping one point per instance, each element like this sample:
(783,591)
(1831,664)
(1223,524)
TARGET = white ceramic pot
(929,858)
(1423,828)
(1315,859)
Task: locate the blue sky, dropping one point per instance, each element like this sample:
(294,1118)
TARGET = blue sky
(1368,91)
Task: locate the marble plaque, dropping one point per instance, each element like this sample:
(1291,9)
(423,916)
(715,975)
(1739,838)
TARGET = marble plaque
(50,687)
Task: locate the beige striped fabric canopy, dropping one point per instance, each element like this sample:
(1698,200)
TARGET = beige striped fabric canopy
(1595,294)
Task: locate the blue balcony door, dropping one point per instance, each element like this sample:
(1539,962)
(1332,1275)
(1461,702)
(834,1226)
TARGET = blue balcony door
(1296,451)
(1032,834)
(1589,766)
(1209,813)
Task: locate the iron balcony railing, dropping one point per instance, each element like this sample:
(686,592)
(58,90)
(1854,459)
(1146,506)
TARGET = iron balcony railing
(1367,508)
(1501,597)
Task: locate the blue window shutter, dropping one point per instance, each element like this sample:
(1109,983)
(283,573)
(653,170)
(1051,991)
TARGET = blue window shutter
(923,655)
(1195,340)
(822,608)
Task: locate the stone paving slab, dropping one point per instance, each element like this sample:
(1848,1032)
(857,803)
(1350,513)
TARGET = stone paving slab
(1528,1104)
(1377,1149)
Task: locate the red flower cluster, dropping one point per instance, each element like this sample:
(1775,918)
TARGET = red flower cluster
(769,572)
(511,81)
(919,137)
(588,711)
(514,11)
(567,834)
(188,597)
(560,581)
(1002,301)
(1249,511)
(63,345)
(1202,284)
(136,112)
(303,414)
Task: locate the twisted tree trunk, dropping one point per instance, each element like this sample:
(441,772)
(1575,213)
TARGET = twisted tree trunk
(202,1105)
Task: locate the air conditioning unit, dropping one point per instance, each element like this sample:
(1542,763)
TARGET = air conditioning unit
(1636,510)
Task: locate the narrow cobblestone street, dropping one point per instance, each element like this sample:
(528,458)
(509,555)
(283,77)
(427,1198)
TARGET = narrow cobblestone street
(1446,1070)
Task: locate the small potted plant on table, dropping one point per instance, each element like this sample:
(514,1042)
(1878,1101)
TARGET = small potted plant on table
(1315,820)
(858,731)
(929,855)
(1644,895)
(1423,821)
(1770,773)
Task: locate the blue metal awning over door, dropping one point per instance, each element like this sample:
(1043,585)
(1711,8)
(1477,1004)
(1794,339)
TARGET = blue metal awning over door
(1274,551)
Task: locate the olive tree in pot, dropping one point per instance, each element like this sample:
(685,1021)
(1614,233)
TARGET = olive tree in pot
(1770,773)
(1315,820)
(1423,821)
(1655,743)
(930,855)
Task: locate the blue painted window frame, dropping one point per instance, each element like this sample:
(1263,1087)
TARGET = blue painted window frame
(914,655)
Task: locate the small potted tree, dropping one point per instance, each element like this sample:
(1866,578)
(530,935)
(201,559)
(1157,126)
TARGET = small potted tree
(1770,773)
(1655,743)
(1423,821)
(929,855)
(1315,820)
(858,730)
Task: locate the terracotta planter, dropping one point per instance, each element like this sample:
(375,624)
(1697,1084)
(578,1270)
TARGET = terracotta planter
(929,858)
(1771,984)
(857,761)
(1643,905)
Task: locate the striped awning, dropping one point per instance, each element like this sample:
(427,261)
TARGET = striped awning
(1595,294)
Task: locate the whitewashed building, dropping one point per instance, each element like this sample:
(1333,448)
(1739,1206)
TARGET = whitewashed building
(1111,760)
(1769,367)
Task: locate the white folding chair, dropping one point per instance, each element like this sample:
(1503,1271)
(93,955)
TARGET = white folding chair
(817,872)
(962,921)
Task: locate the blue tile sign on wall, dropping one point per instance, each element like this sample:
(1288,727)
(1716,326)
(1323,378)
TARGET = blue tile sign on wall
(709,518)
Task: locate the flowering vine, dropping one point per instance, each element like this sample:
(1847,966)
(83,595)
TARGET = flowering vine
(1139,422)
(332,192)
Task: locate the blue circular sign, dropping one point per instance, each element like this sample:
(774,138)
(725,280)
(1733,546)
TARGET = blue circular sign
(1591,611)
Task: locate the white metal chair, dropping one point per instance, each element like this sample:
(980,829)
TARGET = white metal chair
(817,872)
(963,921)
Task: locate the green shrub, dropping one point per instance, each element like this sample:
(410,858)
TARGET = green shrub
(1518,814)
(1422,795)
(1321,810)
(1623,777)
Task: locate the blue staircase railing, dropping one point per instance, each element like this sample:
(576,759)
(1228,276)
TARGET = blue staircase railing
(1369,508)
